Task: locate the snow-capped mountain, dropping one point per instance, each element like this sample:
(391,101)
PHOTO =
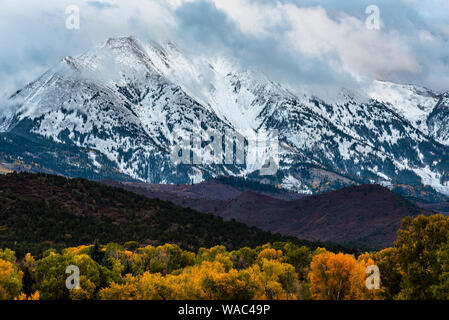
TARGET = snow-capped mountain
(118,110)
(413,103)
(437,121)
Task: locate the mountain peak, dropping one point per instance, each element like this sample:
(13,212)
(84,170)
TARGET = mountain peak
(126,45)
(121,41)
(72,63)
(129,99)
(412,102)
(135,45)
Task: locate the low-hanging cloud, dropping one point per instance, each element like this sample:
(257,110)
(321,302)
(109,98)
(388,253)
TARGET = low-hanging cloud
(297,42)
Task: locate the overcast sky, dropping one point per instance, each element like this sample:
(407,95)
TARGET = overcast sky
(298,42)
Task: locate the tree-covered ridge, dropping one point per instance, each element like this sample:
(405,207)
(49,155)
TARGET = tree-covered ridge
(114,272)
(417,268)
(39,211)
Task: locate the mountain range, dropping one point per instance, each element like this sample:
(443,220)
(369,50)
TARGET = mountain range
(365,216)
(118,111)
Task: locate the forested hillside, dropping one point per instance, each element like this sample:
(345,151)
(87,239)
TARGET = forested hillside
(416,268)
(39,211)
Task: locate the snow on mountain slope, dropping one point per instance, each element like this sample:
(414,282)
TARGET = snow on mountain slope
(113,100)
(130,101)
(367,141)
(217,83)
(438,120)
(414,103)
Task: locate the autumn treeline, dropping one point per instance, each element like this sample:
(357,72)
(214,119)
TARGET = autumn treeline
(417,267)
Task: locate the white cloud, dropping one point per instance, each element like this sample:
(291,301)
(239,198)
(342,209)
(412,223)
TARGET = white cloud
(346,44)
(33,35)
(252,18)
(321,41)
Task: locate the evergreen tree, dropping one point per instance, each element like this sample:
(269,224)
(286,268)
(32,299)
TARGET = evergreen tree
(96,253)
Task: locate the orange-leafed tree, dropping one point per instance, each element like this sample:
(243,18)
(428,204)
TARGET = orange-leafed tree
(339,277)
(358,280)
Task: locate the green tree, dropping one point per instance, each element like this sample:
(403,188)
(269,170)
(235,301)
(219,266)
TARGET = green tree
(10,280)
(51,276)
(418,243)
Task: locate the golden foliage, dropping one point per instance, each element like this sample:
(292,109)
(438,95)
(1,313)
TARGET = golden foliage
(33,296)
(417,267)
(10,280)
(339,277)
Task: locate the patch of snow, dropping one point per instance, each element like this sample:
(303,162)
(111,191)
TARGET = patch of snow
(291,183)
(413,103)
